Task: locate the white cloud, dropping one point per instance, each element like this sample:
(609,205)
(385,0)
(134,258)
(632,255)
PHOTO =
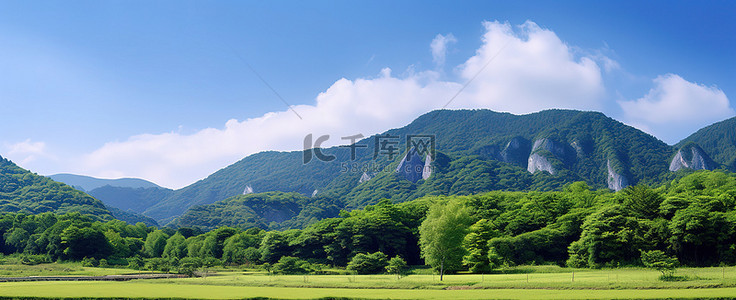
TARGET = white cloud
(674,108)
(439,48)
(26,151)
(535,71)
(530,70)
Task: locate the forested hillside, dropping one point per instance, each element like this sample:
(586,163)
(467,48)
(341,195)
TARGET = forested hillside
(270,210)
(476,151)
(135,200)
(25,192)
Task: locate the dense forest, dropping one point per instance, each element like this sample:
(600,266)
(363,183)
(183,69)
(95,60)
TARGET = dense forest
(692,219)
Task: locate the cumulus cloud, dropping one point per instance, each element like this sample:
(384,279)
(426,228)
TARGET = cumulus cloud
(439,48)
(535,70)
(26,151)
(530,69)
(675,107)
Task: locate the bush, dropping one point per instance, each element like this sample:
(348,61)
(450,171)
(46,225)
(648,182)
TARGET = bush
(157,264)
(189,265)
(118,262)
(398,266)
(135,263)
(373,263)
(90,262)
(29,259)
(291,265)
(657,259)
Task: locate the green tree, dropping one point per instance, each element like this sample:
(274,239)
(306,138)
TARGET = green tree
(441,235)
(642,201)
(476,244)
(176,247)
(660,261)
(85,242)
(239,249)
(155,243)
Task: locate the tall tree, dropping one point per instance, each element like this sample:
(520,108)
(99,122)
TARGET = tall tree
(441,235)
(155,243)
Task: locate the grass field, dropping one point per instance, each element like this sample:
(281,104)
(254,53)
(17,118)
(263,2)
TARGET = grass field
(154,289)
(543,283)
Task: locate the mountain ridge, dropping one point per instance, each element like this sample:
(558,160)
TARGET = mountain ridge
(577,145)
(88,183)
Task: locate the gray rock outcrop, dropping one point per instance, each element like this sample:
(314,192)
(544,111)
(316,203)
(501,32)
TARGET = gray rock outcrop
(698,159)
(411,166)
(616,181)
(542,151)
(427,170)
(538,162)
(549,145)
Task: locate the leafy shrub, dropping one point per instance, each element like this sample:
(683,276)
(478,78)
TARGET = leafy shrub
(29,259)
(157,264)
(291,265)
(397,265)
(189,265)
(373,263)
(135,263)
(90,262)
(660,261)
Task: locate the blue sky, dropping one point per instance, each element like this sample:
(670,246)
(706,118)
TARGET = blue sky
(162,90)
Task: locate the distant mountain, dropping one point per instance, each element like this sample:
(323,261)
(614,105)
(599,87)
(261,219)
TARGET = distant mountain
(87,183)
(129,199)
(718,141)
(476,151)
(23,191)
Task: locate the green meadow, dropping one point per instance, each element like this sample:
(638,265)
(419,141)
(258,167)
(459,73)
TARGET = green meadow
(530,282)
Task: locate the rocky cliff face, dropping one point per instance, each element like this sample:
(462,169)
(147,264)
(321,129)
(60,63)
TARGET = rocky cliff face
(516,151)
(411,166)
(427,170)
(691,157)
(616,181)
(551,146)
(539,163)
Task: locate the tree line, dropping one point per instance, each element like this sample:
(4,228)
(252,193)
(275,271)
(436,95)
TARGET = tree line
(691,219)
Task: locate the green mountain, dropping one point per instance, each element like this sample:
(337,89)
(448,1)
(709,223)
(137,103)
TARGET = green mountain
(135,200)
(718,141)
(270,210)
(87,183)
(476,151)
(26,192)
